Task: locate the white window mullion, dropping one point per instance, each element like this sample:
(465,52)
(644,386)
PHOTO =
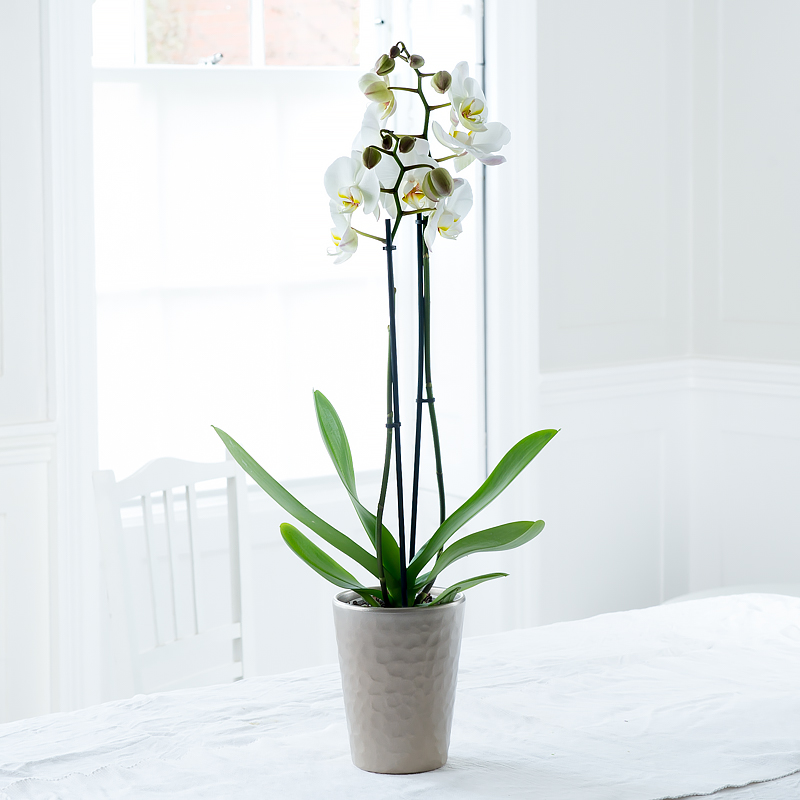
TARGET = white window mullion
(257,48)
(140,32)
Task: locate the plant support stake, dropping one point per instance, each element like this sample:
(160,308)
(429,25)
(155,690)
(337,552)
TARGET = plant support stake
(420,379)
(389,247)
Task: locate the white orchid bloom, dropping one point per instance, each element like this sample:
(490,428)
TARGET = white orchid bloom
(377,90)
(350,185)
(370,133)
(411,193)
(446,219)
(470,145)
(468,104)
(345,239)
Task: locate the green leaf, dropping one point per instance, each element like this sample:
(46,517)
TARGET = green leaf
(503,537)
(449,594)
(511,464)
(293,506)
(335,439)
(332,430)
(320,561)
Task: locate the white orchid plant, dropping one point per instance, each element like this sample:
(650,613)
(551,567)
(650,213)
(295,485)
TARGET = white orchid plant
(396,173)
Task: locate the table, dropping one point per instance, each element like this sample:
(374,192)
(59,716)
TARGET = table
(664,702)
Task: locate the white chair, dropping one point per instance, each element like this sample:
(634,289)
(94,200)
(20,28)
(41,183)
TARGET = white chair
(192,653)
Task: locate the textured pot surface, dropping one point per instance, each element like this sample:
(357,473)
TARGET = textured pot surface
(399,671)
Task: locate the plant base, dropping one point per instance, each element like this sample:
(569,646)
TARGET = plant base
(399,672)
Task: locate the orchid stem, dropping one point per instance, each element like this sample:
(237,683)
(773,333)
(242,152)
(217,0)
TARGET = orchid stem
(370,236)
(426,272)
(389,247)
(420,370)
(387,461)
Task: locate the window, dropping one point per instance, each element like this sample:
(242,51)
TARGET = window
(217,302)
(226,32)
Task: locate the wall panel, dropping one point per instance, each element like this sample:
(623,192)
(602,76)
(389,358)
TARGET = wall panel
(614,183)
(614,493)
(746,515)
(23,364)
(747,173)
(24,580)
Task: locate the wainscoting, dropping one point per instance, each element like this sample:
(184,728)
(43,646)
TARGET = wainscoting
(667,478)
(25,591)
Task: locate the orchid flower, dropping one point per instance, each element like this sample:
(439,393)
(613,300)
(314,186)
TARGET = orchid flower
(370,133)
(470,145)
(468,104)
(350,185)
(345,239)
(446,219)
(412,195)
(377,90)
(388,171)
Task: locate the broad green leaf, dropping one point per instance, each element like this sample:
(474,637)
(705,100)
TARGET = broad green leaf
(449,594)
(335,439)
(511,464)
(320,561)
(503,537)
(293,506)
(332,430)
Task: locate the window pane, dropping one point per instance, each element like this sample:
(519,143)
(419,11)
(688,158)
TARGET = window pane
(190,31)
(311,32)
(113,33)
(217,302)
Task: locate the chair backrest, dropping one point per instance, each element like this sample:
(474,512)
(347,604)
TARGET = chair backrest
(194,653)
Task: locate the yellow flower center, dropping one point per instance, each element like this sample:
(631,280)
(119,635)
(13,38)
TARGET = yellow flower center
(414,196)
(473,110)
(350,198)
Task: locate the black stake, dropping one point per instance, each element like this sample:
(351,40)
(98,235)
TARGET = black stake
(396,423)
(420,381)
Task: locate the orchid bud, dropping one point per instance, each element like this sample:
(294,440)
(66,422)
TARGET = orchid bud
(441,81)
(386,142)
(416,62)
(374,88)
(384,65)
(371,157)
(406,144)
(438,183)
(394,51)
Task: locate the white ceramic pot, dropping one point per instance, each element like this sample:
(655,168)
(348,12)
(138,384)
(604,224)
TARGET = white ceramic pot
(399,671)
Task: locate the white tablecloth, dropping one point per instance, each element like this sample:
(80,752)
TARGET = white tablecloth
(666,702)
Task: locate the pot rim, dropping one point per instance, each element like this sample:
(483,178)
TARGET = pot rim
(339,602)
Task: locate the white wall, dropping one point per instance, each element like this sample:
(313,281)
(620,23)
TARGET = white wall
(46,448)
(746,125)
(614,181)
(668,346)
(27,441)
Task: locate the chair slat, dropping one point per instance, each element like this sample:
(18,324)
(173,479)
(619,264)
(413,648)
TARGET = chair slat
(191,516)
(171,527)
(149,540)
